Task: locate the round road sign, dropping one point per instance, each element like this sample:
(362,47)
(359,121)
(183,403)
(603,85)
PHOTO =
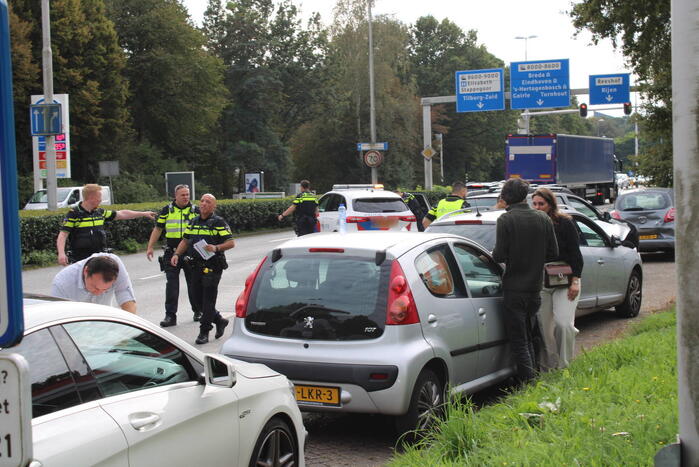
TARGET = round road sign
(373,158)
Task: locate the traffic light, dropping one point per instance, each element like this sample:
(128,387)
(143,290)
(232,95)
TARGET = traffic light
(627,108)
(583,110)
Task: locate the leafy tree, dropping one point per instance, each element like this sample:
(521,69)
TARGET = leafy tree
(272,70)
(641,29)
(25,76)
(177,91)
(325,147)
(88,65)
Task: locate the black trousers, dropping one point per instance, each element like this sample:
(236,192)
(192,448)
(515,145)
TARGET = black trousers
(205,290)
(520,324)
(305,225)
(79,254)
(172,285)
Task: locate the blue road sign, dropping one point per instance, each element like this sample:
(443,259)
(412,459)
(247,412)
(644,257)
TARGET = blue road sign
(46,119)
(372,146)
(480,90)
(540,84)
(609,89)
(11,317)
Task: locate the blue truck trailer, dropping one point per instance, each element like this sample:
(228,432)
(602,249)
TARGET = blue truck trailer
(584,164)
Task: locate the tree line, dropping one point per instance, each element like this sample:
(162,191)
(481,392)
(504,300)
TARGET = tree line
(255,87)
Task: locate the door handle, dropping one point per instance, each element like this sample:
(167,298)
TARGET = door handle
(481,312)
(600,261)
(143,420)
(431,319)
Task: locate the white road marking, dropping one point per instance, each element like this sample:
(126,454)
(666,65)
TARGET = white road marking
(149,277)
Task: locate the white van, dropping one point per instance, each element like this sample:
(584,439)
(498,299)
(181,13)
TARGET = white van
(67,196)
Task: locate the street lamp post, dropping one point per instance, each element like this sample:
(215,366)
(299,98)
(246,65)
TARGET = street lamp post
(372,111)
(440,138)
(526,38)
(526,111)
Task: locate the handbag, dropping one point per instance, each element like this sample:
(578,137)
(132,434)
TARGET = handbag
(557,275)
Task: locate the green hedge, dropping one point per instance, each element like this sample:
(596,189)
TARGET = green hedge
(39,229)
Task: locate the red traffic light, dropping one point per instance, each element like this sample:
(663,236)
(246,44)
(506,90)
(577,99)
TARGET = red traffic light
(583,110)
(627,108)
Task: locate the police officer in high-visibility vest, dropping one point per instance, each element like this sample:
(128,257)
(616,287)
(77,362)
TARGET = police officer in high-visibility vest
(415,208)
(455,201)
(204,241)
(174,219)
(305,209)
(84,226)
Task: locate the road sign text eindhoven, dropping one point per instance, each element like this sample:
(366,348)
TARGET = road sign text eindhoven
(480,90)
(540,84)
(609,89)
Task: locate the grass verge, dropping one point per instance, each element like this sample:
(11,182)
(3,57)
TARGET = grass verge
(615,405)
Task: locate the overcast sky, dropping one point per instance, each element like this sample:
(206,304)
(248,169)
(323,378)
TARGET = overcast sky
(497,22)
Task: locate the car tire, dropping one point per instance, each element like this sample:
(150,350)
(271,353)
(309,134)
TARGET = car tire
(426,404)
(634,295)
(276,446)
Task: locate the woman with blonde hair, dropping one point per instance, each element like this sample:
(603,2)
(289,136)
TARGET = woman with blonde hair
(557,313)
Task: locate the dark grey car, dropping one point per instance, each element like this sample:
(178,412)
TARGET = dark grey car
(652,211)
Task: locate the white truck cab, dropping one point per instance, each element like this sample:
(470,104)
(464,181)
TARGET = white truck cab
(67,196)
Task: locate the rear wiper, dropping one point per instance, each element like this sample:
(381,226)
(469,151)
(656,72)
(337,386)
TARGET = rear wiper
(633,209)
(317,307)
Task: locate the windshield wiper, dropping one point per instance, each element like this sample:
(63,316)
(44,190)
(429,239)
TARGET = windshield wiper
(633,209)
(318,307)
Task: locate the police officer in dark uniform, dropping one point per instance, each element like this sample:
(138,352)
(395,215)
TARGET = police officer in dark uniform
(305,209)
(455,201)
(84,226)
(174,219)
(415,207)
(206,234)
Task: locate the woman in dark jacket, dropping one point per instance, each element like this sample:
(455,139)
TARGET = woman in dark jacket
(557,313)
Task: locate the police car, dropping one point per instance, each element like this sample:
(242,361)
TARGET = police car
(369,207)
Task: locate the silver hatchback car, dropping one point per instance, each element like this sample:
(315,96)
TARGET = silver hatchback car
(612,275)
(376,322)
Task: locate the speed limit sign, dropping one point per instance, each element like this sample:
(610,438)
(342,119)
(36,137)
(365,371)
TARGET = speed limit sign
(373,158)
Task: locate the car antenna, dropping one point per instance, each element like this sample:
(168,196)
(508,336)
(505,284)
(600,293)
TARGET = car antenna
(478,211)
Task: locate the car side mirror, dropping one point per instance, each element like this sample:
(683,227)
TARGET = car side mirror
(616,241)
(218,371)
(606,216)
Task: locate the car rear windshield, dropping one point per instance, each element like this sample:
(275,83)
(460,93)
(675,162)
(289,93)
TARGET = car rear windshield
(320,296)
(651,201)
(483,202)
(374,205)
(484,234)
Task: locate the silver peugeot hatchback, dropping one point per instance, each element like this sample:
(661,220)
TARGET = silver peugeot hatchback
(376,322)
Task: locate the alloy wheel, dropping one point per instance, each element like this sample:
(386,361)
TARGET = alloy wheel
(277,450)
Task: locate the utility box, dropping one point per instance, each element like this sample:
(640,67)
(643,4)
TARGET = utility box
(294,189)
(172,179)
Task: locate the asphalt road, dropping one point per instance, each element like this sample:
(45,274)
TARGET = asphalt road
(149,284)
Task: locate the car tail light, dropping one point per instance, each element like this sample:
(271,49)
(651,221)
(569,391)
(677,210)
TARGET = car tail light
(378,376)
(468,222)
(669,215)
(615,215)
(356,219)
(326,250)
(401,304)
(241,304)
(407,218)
